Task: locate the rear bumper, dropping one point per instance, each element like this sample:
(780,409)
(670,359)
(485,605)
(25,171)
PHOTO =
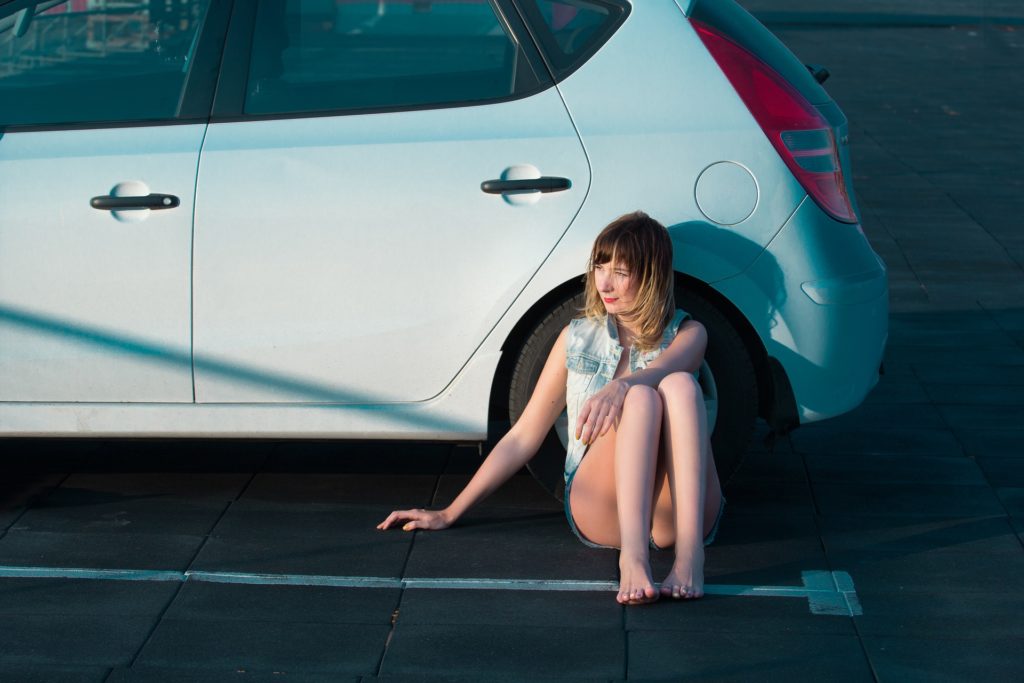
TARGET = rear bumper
(818,297)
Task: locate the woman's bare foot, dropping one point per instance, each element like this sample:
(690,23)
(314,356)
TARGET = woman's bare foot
(635,584)
(686,579)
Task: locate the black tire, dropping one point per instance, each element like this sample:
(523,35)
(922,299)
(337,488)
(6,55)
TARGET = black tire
(547,466)
(727,378)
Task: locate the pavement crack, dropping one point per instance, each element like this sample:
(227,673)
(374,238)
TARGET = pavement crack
(994,237)
(31,501)
(405,564)
(864,649)
(391,632)
(156,624)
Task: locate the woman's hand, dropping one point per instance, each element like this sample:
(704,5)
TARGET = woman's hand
(417,519)
(601,411)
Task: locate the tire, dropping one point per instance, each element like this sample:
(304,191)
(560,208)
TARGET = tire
(729,381)
(549,463)
(727,378)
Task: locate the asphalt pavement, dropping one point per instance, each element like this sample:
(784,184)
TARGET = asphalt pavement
(887,544)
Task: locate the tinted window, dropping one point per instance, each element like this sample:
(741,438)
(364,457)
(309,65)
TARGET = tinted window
(570,31)
(81,61)
(325,55)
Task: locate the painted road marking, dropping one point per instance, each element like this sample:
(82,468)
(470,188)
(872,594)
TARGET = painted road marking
(826,592)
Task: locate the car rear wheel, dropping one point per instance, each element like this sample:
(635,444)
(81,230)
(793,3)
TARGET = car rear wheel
(727,378)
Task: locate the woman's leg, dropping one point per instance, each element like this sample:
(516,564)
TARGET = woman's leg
(686,512)
(611,493)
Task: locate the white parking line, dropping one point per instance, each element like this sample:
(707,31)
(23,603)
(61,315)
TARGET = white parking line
(826,592)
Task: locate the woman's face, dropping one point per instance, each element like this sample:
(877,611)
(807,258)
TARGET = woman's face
(616,286)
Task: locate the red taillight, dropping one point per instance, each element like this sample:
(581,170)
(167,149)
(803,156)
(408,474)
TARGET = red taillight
(798,131)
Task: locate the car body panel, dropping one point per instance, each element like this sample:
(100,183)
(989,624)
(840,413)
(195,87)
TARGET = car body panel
(819,300)
(455,415)
(355,259)
(93,308)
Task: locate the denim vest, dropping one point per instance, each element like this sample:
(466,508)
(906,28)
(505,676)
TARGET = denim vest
(592,353)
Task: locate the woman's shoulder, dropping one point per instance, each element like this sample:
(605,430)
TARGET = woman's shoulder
(679,317)
(583,324)
(583,332)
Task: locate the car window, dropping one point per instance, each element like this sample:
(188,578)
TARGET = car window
(81,61)
(570,31)
(326,55)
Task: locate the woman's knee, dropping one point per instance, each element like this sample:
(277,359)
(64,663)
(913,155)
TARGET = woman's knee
(642,398)
(680,385)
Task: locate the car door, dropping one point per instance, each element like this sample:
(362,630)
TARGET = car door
(380,187)
(102,115)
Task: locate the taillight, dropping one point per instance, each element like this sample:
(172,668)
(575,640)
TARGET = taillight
(798,131)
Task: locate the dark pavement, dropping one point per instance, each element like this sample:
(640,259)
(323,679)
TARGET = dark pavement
(882,545)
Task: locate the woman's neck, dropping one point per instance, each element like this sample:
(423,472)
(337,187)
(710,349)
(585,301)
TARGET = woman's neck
(627,335)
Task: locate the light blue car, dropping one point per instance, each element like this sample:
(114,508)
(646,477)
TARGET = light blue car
(335,219)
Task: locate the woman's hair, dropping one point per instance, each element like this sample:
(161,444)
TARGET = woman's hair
(642,245)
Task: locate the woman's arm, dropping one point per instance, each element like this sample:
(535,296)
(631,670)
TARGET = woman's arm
(509,455)
(603,409)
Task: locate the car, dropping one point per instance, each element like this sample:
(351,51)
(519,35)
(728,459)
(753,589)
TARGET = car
(334,219)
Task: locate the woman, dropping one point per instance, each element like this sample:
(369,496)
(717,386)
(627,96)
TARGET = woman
(639,472)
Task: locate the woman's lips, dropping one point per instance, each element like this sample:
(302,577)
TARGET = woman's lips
(608,300)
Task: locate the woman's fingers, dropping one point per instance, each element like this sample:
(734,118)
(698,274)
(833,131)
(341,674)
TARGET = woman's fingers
(415,519)
(588,417)
(595,422)
(598,415)
(397,516)
(581,421)
(387,521)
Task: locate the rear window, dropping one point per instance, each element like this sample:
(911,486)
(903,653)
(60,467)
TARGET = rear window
(570,31)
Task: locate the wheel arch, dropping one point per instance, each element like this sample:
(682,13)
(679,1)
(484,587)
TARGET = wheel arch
(497,416)
(776,404)
(775,398)
(760,375)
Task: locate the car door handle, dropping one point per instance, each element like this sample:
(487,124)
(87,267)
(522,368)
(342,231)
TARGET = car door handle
(151,201)
(542,184)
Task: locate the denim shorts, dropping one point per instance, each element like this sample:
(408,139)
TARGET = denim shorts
(708,540)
